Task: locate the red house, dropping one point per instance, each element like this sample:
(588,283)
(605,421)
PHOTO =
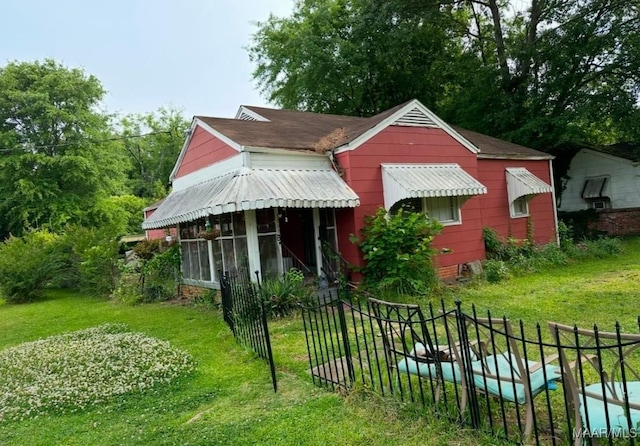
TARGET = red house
(273,188)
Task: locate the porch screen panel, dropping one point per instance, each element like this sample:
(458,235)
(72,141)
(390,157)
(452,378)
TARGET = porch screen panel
(203,252)
(268,242)
(194,261)
(229,255)
(217,255)
(268,245)
(242,253)
(186,265)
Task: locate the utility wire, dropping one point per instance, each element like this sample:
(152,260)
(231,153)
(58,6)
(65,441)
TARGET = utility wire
(94,141)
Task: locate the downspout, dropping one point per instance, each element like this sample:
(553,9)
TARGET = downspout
(555,206)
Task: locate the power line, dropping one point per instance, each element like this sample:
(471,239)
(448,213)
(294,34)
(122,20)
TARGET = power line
(94,141)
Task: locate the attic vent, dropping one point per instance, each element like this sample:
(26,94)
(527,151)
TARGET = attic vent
(416,118)
(245,117)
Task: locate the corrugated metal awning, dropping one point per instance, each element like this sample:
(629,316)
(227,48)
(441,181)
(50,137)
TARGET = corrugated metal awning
(402,181)
(521,182)
(246,189)
(594,187)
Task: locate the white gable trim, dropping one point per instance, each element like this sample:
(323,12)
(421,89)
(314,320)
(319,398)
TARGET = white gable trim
(249,115)
(410,108)
(198,123)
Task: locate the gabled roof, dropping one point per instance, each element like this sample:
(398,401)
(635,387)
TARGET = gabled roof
(305,131)
(495,148)
(623,150)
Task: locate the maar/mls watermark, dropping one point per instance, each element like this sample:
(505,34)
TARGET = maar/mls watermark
(603,432)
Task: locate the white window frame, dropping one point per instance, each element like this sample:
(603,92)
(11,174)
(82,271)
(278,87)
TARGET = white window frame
(455,203)
(515,213)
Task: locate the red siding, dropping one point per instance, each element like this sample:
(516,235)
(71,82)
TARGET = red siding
(396,144)
(154,234)
(495,205)
(204,150)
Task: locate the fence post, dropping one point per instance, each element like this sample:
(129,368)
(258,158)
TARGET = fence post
(227,301)
(472,397)
(345,341)
(267,338)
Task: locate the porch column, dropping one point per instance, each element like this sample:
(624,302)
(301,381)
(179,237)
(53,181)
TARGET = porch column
(316,238)
(253,248)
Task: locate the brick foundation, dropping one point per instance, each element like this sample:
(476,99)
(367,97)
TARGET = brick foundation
(448,272)
(618,221)
(191,291)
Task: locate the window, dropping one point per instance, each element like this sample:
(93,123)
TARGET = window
(445,210)
(270,255)
(229,248)
(594,188)
(599,203)
(520,207)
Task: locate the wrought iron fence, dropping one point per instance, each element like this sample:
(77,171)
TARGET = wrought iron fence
(536,385)
(243,311)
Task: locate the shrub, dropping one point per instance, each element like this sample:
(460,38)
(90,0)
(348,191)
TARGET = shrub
(152,279)
(161,275)
(495,271)
(91,260)
(281,295)
(28,264)
(398,252)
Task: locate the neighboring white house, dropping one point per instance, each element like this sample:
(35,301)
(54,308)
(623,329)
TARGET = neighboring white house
(603,178)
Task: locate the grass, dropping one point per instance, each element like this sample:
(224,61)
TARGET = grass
(229,399)
(594,291)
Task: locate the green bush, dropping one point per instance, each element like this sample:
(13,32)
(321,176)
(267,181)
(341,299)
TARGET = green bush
(91,260)
(161,275)
(28,264)
(281,295)
(398,251)
(151,279)
(495,271)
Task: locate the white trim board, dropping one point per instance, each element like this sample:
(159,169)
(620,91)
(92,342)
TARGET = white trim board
(407,109)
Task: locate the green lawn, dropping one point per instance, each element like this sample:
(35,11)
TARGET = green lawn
(229,399)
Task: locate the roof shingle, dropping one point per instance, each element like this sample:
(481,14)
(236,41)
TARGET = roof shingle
(297,130)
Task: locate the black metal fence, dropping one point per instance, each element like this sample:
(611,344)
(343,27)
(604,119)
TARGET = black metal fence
(543,385)
(243,311)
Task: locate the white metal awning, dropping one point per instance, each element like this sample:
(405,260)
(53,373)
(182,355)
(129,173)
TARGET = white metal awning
(594,187)
(521,182)
(246,189)
(401,181)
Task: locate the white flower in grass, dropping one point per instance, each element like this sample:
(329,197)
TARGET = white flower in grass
(82,368)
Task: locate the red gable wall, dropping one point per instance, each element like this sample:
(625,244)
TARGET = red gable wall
(398,144)
(495,205)
(204,150)
(154,234)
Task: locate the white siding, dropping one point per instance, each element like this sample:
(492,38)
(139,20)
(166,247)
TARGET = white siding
(288,161)
(623,185)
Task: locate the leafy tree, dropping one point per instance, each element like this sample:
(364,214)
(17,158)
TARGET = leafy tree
(548,74)
(152,155)
(355,57)
(57,158)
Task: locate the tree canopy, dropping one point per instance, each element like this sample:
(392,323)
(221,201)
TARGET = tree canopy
(56,157)
(549,74)
(63,160)
(153,142)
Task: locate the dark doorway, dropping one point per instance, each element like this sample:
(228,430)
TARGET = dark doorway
(297,236)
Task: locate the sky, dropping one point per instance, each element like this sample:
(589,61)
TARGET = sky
(188,54)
